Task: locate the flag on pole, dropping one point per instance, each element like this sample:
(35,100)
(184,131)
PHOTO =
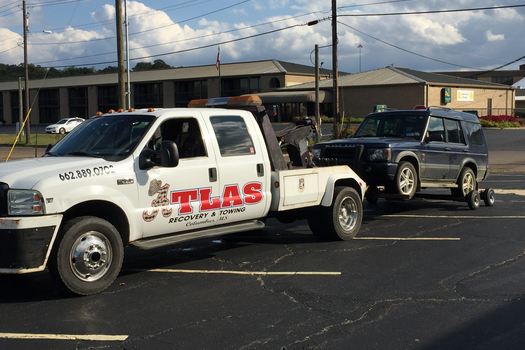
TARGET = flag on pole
(218,61)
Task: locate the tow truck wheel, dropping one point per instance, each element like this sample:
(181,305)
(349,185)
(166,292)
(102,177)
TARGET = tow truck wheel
(346,213)
(89,255)
(488,197)
(473,199)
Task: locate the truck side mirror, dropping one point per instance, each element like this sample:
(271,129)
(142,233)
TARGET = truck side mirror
(147,158)
(169,154)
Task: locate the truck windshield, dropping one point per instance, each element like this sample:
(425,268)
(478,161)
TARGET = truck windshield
(400,126)
(109,137)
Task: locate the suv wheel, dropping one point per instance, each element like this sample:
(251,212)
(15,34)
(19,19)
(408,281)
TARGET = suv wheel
(406,179)
(466,183)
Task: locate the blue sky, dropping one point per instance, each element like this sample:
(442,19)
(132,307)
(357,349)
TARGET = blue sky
(82,32)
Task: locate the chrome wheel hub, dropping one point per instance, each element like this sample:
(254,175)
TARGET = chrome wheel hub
(348,214)
(467,184)
(90,256)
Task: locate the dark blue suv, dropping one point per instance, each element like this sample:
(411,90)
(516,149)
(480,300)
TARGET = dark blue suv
(407,150)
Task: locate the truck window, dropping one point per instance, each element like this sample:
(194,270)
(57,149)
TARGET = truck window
(232,136)
(186,134)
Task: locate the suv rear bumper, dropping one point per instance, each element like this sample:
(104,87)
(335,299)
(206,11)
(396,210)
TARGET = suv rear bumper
(26,242)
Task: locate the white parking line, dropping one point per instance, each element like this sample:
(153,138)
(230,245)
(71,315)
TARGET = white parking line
(517,192)
(409,216)
(87,337)
(408,238)
(250,273)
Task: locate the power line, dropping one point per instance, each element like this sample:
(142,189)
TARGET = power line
(372,3)
(187,39)
(194,48)
(150,29)
(495,69)
(403,49)
(431,11)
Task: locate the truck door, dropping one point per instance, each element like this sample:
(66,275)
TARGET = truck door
(241,168)
(177,199)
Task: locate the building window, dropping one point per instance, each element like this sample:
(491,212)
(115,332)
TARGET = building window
(107,98)
(275,83)
(15,108)
(49,105)
(147,95)
(240,86)
(78,102)
(185,91)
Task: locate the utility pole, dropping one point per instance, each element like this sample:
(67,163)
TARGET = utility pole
(317,112)
(128,79)
(26,72)
(20,106)
(335,69)
(120,55)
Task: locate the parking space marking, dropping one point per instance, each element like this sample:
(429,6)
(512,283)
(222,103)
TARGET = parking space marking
(87,337)
(250,273)
(408,238)
(510,191)
(413,216)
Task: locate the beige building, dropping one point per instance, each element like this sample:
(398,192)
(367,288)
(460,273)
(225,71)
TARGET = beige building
(83,96)
(402,88)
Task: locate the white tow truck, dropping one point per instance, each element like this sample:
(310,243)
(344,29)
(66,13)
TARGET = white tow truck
(151,178)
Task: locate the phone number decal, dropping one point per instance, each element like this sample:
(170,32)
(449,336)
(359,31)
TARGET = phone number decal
(84,173)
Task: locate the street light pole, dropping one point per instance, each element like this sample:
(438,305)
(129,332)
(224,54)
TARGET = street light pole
(359,47)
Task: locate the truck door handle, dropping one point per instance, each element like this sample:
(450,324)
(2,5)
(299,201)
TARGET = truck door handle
(260,170)
(212,172)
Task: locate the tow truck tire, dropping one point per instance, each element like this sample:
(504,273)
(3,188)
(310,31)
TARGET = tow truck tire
(473,199)
(89,255)
(346,214)
(488,197)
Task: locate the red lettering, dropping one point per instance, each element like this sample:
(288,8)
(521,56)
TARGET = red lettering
(231,196)
(207,202)
(184,198)
(252,192)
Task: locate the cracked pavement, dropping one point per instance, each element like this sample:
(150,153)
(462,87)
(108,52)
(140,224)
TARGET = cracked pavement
(465,294)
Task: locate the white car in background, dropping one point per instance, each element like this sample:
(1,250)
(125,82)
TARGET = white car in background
(63,126)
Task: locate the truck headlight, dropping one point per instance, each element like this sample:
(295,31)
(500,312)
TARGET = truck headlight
(378,154)
(25,202)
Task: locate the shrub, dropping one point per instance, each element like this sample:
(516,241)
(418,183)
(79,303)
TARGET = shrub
(500,121)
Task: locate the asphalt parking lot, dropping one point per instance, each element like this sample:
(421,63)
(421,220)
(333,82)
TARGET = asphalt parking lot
(425,274)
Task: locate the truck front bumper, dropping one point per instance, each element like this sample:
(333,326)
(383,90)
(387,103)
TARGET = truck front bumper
(26,242)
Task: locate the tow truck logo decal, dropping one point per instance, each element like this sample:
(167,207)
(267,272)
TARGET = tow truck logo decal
(156,188)
(233,200)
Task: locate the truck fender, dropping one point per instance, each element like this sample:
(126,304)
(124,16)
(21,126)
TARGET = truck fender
(348,180)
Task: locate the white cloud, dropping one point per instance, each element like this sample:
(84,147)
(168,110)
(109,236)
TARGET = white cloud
(434,32)
(494,37)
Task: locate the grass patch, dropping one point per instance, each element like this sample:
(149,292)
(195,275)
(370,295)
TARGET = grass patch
(35,139)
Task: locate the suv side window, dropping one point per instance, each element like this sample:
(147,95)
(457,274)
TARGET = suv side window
(232,136)
(436,130)
(474,133)
(454,132)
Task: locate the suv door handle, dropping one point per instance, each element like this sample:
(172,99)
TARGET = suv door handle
(212,173)
(448,149)
(260,170)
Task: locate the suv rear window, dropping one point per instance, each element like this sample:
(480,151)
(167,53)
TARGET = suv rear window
(401,125)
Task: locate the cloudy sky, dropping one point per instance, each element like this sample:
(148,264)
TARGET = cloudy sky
(82,32)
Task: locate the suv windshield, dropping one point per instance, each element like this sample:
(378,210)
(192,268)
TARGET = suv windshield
(392,125)
(108,137)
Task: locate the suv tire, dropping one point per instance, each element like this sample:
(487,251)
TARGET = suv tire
(466,183)
(405,182)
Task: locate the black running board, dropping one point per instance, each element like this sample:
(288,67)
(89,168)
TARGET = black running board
(151,243)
